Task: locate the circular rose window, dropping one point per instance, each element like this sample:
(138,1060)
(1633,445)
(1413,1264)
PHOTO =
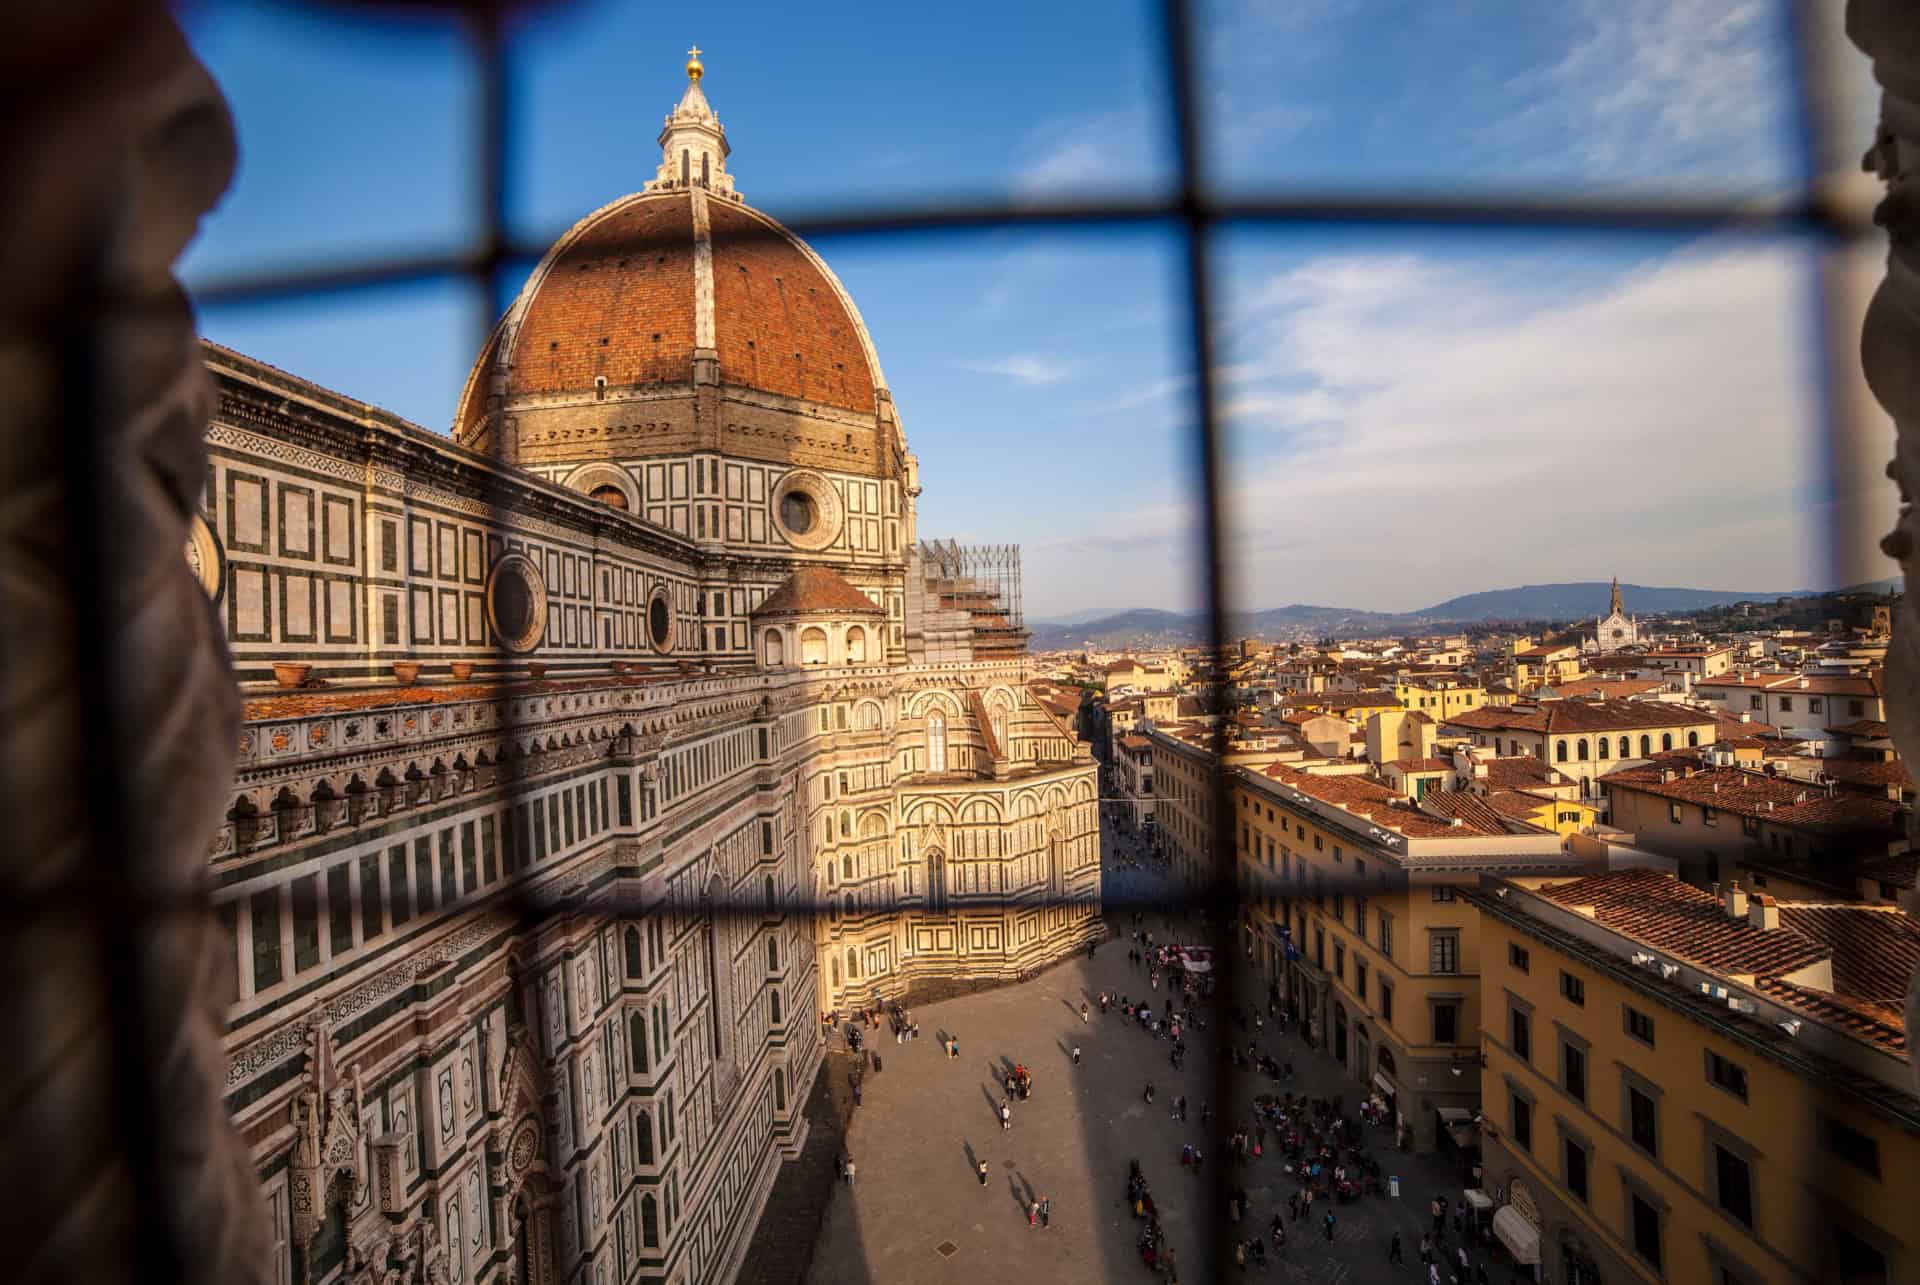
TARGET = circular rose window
(517,602)
(806,510)
(204,558)
(660,620)
(797,512)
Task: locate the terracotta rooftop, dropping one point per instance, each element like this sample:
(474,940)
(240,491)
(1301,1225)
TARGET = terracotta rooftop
(1787,684)
(1470,809)
(311,703)
(617,301)
(1518,804)
(1875,948)
(1776,800)
(1419,765)
(1687,922)
(1555,717)
(1899,869)
(1611,688)
(1519,772)
(1351,700)
(1383,807)
(816,591)
(1867,774)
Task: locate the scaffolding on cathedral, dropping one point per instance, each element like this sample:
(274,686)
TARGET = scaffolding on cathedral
(992,568)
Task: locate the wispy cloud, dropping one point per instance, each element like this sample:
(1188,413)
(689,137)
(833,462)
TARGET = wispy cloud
(1028,368)
(1661,89)
(1461,426)
(1075,155)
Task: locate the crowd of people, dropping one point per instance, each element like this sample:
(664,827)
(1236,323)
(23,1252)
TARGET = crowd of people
(1315,1149)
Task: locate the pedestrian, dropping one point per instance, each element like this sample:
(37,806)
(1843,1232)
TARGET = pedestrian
(1438,1208)
(1426,1246)
(981,1169)
(1076,1055)
(1480,1274)
(1033,1212)
(1006,1117)
(1083,1012)
(1433,1274)
(849,1171)
(1393,1250)
(954,1051)
(1459,1216)
(1464,1265)
(856,1093)
(1329,1226)
(1046,1211)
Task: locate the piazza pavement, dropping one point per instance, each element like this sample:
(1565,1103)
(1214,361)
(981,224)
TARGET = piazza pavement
(917,1213)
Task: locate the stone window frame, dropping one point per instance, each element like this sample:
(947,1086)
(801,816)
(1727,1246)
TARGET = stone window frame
(1632,1185)
(1434,937)
(1517,1091)
(1627,1013)
(1457,1001)
(1823,1122)
(1522,1007)
(1725,1264)
(1566,1132)
(1708,1055)
(1569,1038)
(1714,1134)
(1630,1082)
(1835,1215)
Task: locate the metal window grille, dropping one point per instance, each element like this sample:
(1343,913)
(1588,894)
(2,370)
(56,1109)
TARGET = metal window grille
(1194,209)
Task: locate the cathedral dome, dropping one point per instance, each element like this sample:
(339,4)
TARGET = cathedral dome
(676,288)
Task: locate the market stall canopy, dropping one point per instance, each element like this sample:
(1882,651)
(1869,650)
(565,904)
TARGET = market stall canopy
(1479,1199)
(1195,959)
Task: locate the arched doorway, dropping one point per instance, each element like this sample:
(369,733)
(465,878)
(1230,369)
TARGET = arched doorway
(530,1206)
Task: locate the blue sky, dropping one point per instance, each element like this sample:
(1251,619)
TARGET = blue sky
(1411,415)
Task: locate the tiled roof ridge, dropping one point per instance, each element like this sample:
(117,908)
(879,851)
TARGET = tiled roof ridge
(820,589)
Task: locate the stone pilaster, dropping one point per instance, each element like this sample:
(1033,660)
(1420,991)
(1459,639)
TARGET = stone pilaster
(1888,31)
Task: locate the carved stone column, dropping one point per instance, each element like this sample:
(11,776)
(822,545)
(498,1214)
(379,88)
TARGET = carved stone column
(113,141)
(1888,31)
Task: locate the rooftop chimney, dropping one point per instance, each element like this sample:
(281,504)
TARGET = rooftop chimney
(1734,901)
(1763,913)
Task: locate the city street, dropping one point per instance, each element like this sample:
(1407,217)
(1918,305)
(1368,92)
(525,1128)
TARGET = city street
(918,1212)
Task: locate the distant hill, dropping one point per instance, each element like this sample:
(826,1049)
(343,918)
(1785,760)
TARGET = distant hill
(1578,600)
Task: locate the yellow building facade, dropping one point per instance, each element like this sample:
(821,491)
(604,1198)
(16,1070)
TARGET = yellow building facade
(1440,698)
(1681,1087)
(1354,920)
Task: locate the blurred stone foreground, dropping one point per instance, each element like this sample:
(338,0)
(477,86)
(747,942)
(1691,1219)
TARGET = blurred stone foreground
(114,687)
